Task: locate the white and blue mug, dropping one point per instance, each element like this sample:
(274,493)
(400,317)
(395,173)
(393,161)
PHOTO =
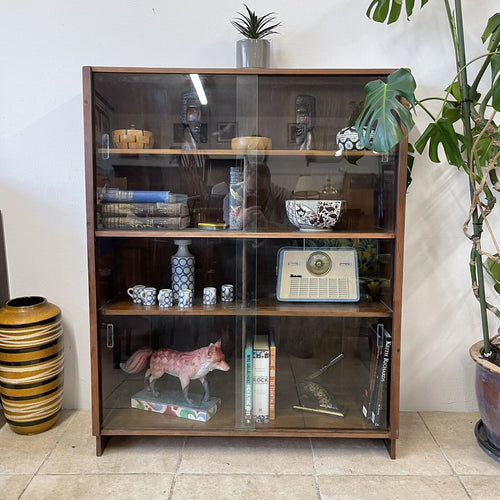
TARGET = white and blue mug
(165,297)
(185,298)
(227,293)
(148,296)
(209,295)
(135,293)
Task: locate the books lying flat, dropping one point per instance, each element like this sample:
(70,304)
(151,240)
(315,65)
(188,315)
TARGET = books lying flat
(144,210)
(174,404)
(132,222)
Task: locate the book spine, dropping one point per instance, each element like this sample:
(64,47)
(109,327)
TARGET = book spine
(144,209)
(145,222)
(260,400)
(248,381)
(135,196)
(272,376)
(380,410)
(368,391)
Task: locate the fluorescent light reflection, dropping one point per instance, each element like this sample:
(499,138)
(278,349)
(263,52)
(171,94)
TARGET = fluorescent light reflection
(195,78)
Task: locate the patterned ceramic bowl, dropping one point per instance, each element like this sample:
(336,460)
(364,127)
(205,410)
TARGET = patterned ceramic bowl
(315,215)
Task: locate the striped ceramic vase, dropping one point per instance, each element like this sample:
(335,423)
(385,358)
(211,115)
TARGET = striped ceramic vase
(31,364)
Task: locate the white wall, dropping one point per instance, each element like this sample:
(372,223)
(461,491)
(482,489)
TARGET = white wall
(45,44)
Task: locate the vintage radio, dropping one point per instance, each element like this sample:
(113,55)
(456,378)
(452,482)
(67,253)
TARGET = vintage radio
(317,275)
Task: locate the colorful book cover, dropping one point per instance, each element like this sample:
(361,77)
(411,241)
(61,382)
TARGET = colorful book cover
(260,400)
(144,209)
(272,375)
(135,196)
(248,380)
(174,404)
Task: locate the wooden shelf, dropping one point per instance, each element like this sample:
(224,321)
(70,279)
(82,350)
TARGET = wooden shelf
(335,153)
(263,307)
(243,235)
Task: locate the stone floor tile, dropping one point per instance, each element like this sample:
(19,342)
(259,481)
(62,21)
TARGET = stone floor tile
(75,452)
(230,487)
(416,453)
(23,454)
(101,486)
(454,433)
(247,455)
(481,487)
(11,487)
(393,487)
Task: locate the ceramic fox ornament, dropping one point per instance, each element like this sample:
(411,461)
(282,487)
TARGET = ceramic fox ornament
(187,366)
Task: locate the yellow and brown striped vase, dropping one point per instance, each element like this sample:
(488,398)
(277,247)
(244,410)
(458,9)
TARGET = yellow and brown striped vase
(31,364)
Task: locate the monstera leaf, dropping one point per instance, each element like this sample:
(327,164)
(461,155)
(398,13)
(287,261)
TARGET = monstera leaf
(390,10)
(493,269)
(384,113)
(442,132)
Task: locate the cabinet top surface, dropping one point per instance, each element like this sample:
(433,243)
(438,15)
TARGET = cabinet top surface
(246,71)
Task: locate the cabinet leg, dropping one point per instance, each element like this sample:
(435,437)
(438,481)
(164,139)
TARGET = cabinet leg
(390,444)
(100,444)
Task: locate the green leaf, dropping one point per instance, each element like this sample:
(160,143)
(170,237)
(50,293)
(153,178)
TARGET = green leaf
(455,90)
(441,132)
(451,111)
(493,269)
(409,164)
(383,112)
(390,10)
(495,65)
(495,101)
(492,28)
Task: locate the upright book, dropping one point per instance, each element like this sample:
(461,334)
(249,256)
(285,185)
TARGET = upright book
(272,375)
(260,400)
(248,375)
(379,410)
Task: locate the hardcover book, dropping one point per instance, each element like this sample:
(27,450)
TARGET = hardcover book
(248,393)
(260,400)
(144,209)
(379,411)
(174,404)
(132,222)
(117,195)
(272,375)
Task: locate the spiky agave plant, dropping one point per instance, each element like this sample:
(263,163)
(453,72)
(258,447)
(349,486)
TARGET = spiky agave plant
(254,27)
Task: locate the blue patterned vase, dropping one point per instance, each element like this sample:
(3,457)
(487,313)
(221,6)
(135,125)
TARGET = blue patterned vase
(182,268)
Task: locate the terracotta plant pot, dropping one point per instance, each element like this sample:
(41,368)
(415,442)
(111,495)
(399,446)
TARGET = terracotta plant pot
(488,399)
(31,364)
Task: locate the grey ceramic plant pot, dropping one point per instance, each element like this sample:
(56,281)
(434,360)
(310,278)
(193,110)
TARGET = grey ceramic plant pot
(252,53)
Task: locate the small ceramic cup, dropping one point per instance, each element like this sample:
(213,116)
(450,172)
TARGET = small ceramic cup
(135,293)
(185,298)
(227,293)
(148,296)
(209,295)
(165,297)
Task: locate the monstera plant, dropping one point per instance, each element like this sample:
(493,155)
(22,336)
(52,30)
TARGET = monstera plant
(466,130)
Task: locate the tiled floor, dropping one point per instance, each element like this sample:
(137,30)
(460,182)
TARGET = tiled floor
(438,458)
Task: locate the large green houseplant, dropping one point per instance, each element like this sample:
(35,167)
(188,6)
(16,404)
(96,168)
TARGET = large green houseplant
(466,130)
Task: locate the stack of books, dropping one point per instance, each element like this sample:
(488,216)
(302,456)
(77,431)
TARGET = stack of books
(260,379)
(122,209)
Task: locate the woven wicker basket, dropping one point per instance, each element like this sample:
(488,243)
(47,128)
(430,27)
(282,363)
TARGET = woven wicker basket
(132,139)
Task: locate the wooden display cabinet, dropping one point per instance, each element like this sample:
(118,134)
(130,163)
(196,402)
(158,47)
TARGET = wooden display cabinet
(241,102)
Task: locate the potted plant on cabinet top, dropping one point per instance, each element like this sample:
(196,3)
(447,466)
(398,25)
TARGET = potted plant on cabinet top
(465,128)
(253,50)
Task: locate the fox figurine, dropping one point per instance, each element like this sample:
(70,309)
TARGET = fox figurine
(187,366)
